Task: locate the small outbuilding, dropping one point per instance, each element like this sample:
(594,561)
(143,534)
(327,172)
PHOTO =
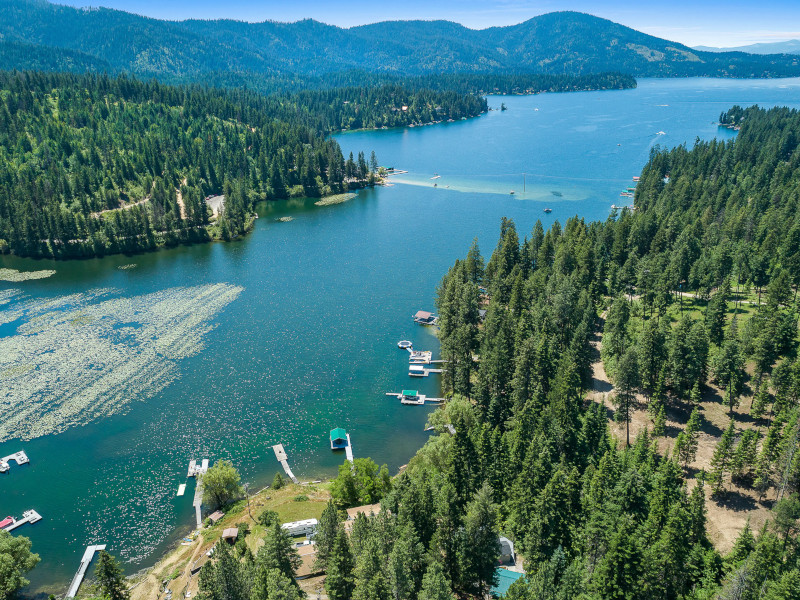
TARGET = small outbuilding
(216,516)
(230,535)
(507,555)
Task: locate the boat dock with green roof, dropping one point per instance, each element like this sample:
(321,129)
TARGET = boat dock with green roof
(340,440)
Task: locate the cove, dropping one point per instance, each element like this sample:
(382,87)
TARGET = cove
(308,343)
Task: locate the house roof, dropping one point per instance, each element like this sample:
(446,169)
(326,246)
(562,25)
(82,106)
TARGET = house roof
(410,393)
(368,509)
(504,580)
(216,516)
(230,532)
(338,434)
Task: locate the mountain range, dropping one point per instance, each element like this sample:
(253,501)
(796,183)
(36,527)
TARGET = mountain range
(41,35)
(787,47)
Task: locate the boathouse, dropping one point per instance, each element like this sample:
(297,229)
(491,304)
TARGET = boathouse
(338,439)
(424,317)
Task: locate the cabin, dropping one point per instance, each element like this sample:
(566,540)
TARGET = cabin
(297,528)
(507,555)
(216,516)
(230,535)
(338,439)
(368,510)
(424,317)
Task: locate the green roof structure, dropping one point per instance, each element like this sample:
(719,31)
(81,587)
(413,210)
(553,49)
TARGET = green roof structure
(504,580)
(410,393)
(338,434)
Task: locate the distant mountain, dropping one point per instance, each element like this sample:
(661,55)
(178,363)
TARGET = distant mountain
(787,47)
(556,43)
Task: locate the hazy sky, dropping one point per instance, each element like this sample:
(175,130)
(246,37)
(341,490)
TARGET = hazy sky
(692,22)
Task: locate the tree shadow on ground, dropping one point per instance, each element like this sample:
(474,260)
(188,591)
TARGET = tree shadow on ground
(735,500)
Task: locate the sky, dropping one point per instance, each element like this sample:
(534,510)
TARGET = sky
(691,22)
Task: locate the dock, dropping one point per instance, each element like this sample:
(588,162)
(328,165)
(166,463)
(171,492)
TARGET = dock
(18,457)
(198,503)
(196,469)
(348,450)
(420,371)
(181,489)
(412,398)
(87,558)
(29,516)
(280,454)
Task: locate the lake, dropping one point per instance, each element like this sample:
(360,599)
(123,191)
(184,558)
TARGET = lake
(222,350)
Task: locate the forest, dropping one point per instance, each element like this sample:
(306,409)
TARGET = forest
(689,303)
(93,164)
(693,296)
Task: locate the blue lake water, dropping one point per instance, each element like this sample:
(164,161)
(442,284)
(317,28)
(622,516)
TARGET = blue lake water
(310,342)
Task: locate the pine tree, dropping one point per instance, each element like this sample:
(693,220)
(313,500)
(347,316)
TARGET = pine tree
(721,458)
(618,574)
(686,450)
(339,579)
(627,380)
(434,584)
(326,534)
(481,548)
(278,552)
(110,578)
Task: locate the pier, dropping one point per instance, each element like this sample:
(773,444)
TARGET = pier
(198,503)
(420,371)
(348,450)
(18,457)
(29,516)
(181,489)
(413,398)
(280,454)
(87,558)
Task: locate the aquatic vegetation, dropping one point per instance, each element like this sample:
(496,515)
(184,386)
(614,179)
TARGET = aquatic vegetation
(17,276)
(335,199)
(81,357)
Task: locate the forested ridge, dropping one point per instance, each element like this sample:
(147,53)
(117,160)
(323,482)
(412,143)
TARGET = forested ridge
(92,164)
(558,43)
(694,294)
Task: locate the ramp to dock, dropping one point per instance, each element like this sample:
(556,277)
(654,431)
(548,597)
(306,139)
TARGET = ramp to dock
(87,558)
(198,503)
(348,450)
(280,454)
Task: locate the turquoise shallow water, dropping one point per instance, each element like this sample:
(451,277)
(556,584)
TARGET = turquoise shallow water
(310,342)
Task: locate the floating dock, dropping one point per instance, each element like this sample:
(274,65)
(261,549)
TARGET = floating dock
(29,516)
(87,558)
(181,489)
(18,457)
(420,371)
(197,469)
(280,454)
(413,398)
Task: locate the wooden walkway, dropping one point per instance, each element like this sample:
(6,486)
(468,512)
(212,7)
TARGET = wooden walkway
(87,558)
(348,450)
(280,454)
(198,503)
